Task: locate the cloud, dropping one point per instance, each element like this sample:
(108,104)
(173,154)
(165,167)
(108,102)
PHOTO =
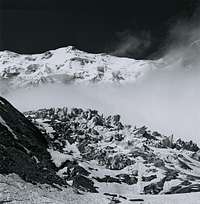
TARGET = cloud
(132,44)
(165,100)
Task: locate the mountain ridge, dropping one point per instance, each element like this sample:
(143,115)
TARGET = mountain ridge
(69,65)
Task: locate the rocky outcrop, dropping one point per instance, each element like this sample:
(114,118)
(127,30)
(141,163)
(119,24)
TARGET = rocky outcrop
(85,184)
(23,148)
(191,146)
(154,188)
(108,179)
(148,178)
(128,179)
(184,188)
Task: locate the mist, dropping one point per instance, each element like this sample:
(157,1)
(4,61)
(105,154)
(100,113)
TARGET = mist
(131,43)
(167,100)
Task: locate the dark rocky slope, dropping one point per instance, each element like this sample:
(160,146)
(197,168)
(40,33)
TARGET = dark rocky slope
(23,148)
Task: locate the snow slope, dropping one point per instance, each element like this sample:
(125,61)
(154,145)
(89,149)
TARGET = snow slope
(14,190)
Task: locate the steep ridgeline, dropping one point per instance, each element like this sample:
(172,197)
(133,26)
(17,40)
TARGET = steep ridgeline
(68,65)
(100,154)
(23,148)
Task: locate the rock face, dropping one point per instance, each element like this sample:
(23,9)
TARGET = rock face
(96,153)
(23,148)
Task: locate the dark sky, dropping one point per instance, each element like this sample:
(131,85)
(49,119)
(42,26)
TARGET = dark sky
(120,26)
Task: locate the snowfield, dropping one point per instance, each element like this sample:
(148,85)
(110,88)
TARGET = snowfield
(16,191)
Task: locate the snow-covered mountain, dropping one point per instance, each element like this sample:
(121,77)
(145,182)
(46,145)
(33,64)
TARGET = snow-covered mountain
(100,154)
(68,65)
(62,155)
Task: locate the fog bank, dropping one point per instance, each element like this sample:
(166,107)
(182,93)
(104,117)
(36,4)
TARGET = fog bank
(167,100)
